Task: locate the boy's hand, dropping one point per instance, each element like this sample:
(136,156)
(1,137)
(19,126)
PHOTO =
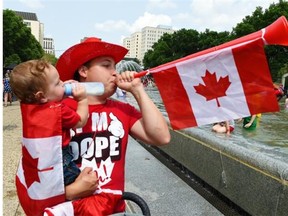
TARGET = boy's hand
(85,185)
(127,82)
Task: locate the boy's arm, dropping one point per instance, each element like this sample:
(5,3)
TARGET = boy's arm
(152,128)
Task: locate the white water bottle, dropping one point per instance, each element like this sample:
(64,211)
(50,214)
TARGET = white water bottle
(92,88)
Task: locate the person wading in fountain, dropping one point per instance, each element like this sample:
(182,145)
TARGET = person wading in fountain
(224,127)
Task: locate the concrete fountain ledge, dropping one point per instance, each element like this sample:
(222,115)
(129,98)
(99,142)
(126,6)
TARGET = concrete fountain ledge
(254,178)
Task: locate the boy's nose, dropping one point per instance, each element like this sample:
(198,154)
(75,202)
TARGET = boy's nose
(114,72)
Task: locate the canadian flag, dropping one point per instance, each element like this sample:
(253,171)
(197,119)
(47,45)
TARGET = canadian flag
(225,82)
(39,178)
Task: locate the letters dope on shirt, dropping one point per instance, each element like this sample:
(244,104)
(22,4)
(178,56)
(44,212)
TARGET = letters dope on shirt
(103,145)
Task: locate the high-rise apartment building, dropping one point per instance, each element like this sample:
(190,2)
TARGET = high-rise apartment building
(37,29)
(127,44)
(135,45)
(140,42)
(48,46)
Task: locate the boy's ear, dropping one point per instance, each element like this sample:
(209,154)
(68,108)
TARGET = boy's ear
(83,71)
(40,97)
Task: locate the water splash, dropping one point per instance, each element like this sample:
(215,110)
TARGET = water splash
(128,66)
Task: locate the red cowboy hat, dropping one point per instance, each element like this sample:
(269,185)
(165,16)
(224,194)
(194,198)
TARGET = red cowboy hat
(85,51)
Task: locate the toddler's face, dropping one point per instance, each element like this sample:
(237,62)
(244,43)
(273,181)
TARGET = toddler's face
(55,85)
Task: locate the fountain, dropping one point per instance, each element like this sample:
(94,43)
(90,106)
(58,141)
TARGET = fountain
(125,65)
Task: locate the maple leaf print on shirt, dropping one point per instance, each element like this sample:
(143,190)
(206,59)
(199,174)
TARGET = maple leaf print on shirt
(213,89)
(30,168)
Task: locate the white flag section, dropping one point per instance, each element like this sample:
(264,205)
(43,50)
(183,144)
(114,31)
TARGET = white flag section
(192,72)
(48,181)
(39,179)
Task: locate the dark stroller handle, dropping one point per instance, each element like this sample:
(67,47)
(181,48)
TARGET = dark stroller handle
(138,200)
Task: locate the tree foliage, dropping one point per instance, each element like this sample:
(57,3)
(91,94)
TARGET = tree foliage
(188,41)
(276,55)
(50,58)
(18,42)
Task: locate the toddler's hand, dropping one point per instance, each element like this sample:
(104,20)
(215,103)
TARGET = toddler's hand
(79,92)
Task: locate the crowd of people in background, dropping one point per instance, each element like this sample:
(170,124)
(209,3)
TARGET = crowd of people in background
(7,91)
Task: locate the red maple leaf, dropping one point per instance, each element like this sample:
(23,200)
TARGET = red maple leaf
(30,167)
(213,89)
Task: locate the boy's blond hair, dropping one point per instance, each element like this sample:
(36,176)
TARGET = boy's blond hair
(28,78)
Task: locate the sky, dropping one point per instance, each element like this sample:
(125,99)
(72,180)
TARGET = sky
(68,21)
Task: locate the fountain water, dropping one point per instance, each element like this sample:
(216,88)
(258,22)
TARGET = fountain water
(129,65)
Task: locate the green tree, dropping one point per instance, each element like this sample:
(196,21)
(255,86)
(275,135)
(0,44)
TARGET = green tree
(14,58)
(208,39)
(50,58)
(18,42)
(276,55)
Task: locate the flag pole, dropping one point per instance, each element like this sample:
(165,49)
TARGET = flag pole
(141,74)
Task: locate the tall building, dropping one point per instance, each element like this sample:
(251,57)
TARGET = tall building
(135,45)
(127,44)
(151,35)
(140,42)
(48,46)
(37,29)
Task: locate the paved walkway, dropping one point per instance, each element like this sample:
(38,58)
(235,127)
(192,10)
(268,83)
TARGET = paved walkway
(12,131)
(165,193)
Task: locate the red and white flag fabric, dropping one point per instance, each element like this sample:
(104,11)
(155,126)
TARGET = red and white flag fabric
(39,178)
(226,82)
